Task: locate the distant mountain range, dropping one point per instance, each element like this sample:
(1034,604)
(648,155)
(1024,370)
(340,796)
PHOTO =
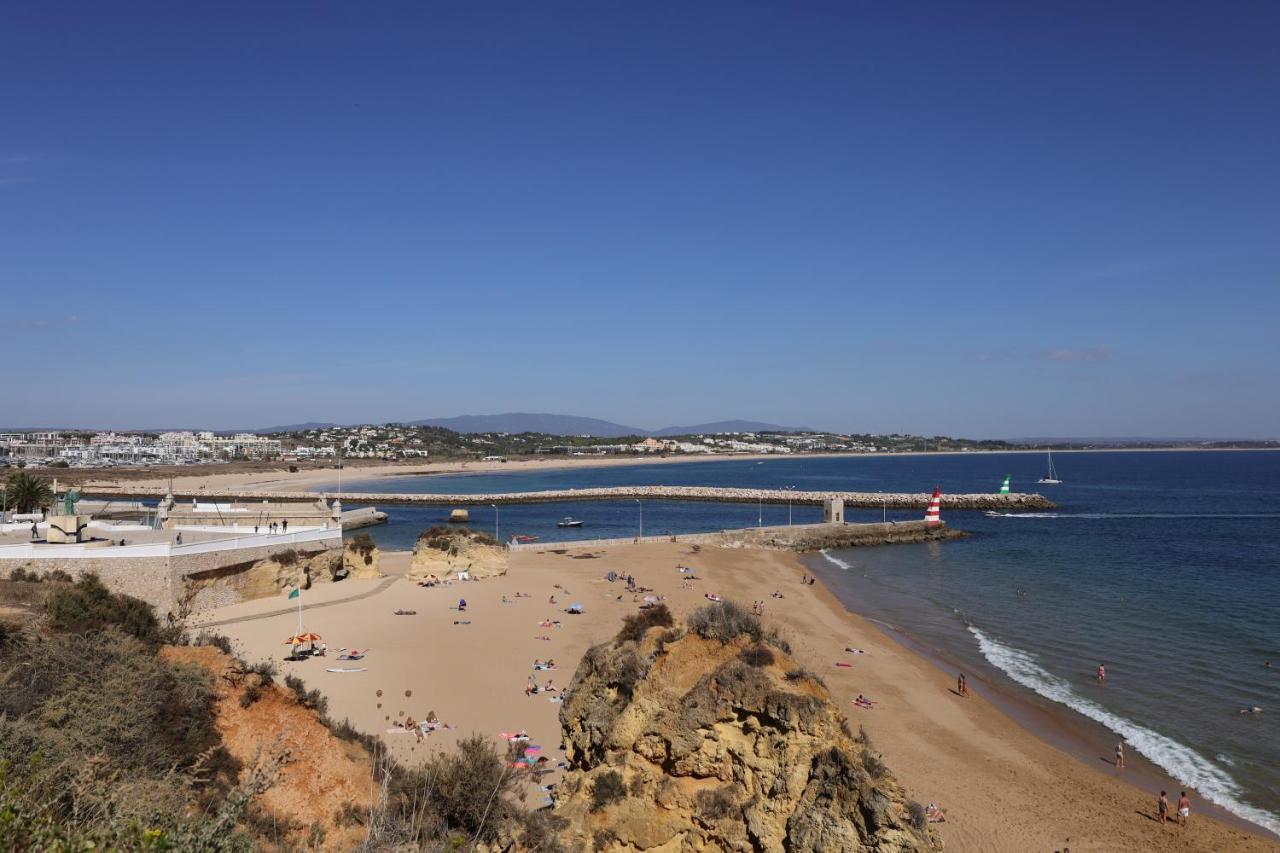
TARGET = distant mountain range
(594,427)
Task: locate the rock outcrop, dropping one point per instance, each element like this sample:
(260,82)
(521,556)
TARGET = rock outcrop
(361,558)
(678,742)
(445,551)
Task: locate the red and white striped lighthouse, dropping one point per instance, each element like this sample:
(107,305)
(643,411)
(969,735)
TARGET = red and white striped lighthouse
(933,515)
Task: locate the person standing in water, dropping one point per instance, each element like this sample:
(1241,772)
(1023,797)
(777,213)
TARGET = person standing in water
(1102,673)
(1120,755)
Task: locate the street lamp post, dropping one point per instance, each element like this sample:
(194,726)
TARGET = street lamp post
(760,516)
(495,523)
(884,508)
(790,489)
(640,504)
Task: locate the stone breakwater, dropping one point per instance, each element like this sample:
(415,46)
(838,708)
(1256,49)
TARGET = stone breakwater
(891,500)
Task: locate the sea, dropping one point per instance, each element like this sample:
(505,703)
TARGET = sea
(1164,566)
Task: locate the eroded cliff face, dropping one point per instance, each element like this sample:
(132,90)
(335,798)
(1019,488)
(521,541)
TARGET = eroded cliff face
(361,561)
(446,551)
(680,743)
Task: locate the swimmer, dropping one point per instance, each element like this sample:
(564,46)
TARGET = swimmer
(1253,709)
(1102,674)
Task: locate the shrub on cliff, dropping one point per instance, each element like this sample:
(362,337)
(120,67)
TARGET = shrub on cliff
(88,606)
(362,544)
(607,788)
(726,621)
(635,625)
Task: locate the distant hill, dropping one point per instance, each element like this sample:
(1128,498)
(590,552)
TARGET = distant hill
(294,427)
(575,425)
(727,426)
(526,422)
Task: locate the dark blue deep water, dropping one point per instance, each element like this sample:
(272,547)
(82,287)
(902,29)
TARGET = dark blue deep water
(1164,566)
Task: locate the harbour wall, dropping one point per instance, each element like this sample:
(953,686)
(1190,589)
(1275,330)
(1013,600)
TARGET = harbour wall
(889,500)
(791,537)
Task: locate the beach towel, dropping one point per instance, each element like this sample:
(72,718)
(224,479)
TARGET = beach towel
(350,657)
(842,663)
(346,669)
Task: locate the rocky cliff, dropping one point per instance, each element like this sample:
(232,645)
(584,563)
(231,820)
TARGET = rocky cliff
(716,740)
(445,551)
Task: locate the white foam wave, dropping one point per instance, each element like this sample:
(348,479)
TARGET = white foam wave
(835,561)
(1179,761)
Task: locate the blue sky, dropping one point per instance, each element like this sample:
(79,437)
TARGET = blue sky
(980,219)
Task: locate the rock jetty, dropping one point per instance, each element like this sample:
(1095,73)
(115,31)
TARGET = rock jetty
(891,500)
(715,739)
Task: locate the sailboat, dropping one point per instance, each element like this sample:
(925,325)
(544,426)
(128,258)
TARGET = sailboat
(1051,478)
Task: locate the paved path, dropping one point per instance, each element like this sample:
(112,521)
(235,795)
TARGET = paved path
(273,613)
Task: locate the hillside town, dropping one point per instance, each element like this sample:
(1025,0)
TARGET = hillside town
(392,442)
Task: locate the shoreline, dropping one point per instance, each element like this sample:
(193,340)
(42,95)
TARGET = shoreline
(318,479)
(1052,723)
(1004,787)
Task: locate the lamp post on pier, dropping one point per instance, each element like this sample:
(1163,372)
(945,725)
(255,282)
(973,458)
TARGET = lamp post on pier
(790,489)
(495,523)
(641,506)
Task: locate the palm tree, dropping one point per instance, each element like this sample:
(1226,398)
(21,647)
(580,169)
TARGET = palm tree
(26,493)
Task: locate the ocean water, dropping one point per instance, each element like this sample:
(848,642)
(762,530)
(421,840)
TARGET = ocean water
(1164,566)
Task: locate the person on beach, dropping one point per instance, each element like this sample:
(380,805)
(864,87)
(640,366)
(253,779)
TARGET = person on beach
(1120,755)
(1162,807)
(1102,673)
(462,605)
(1184,809)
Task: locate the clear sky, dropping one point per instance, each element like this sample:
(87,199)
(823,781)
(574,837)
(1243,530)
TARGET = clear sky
(964,218)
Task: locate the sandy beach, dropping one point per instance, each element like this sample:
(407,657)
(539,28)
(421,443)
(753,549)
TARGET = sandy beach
(1003,787)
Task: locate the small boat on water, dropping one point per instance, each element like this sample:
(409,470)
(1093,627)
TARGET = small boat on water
(568,521)
(1051,478)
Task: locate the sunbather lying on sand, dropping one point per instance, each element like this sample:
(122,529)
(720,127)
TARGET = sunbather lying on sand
(854,651)
(864,702)
(711,596)
(935,814)
(400,612)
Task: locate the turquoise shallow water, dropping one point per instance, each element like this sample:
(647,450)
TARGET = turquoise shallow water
(1165,566)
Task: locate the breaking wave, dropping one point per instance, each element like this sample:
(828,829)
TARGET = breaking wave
(1179,761)
(835,561)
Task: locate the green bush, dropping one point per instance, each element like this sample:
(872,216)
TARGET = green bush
(87,606)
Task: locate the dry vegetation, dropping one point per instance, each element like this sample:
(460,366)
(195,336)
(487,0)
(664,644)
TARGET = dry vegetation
(110,739)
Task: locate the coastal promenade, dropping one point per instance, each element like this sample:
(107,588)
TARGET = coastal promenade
(890,500)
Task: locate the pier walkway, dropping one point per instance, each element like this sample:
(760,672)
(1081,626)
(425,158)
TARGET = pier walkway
(889,500)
